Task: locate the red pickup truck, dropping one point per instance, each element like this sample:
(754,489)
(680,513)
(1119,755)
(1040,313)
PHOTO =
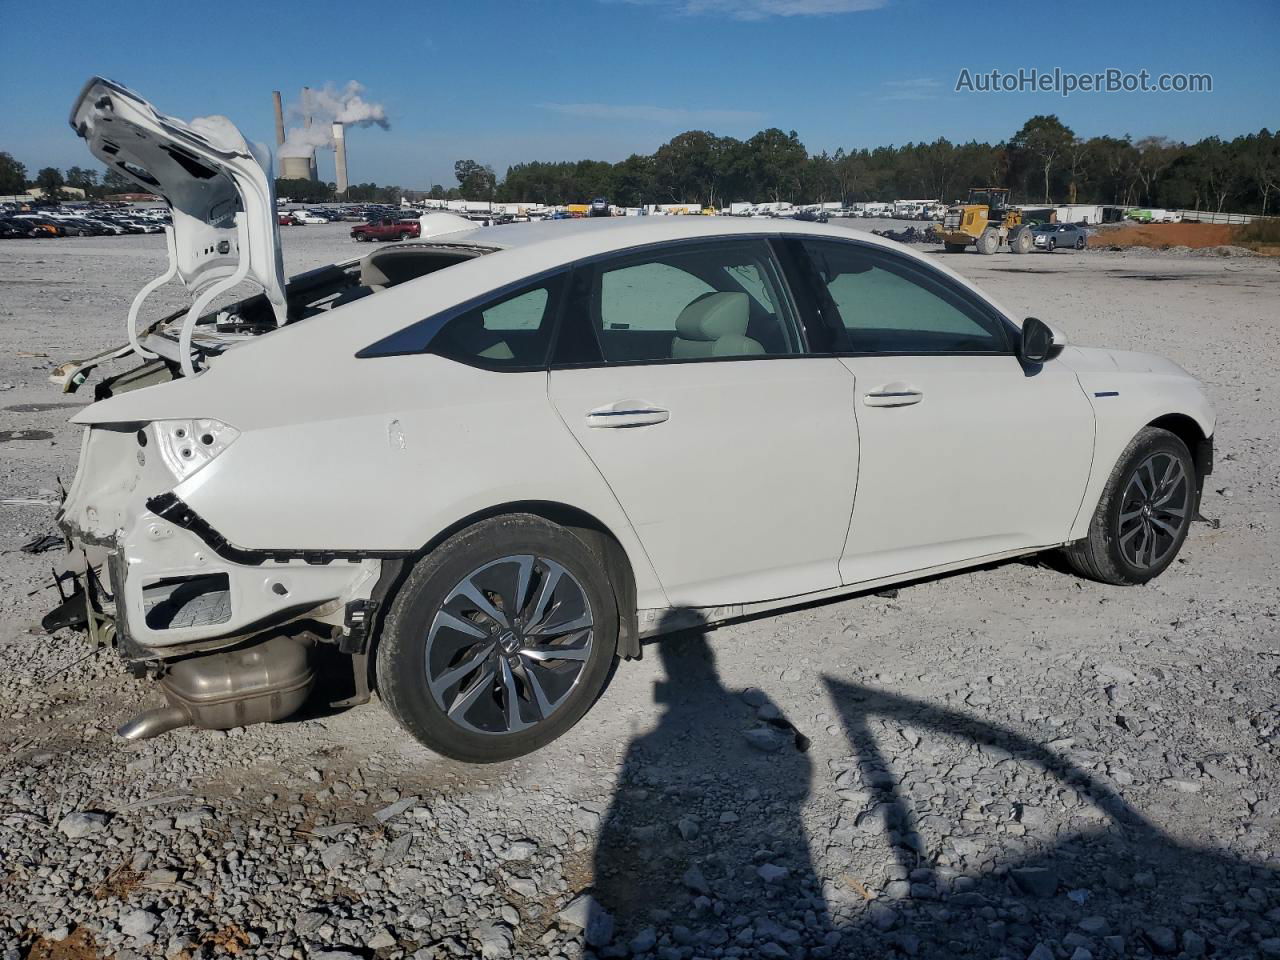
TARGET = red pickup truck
(390,229)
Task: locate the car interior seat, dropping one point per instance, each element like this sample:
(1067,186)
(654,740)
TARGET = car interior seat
(715,325)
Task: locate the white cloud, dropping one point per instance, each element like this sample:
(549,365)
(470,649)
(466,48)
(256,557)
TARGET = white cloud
(915,88)
(647,113)
(765,9)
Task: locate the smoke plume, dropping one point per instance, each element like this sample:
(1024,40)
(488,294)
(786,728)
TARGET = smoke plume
(328,105)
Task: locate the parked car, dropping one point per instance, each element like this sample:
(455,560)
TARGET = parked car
(388,228)
(1050,236)
(451,455)
(599,208)
(12,229)
(812,216)
(309,218)
(41,226)
(286,219)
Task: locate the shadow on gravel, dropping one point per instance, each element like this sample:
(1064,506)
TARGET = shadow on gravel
(1120,888)
(709,800)
(975,841)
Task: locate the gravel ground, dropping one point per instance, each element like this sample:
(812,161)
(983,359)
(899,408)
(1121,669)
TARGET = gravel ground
(1005,763)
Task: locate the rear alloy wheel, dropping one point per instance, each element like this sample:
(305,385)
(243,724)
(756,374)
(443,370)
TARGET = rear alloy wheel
(499,641)
(1079,243)
(1144,514)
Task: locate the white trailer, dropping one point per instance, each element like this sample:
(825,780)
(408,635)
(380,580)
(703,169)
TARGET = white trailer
(1090,213)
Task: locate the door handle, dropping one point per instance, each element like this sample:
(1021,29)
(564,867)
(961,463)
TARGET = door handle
(627,413)
(893,395)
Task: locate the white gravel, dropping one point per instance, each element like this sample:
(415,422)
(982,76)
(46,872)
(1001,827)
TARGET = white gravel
(1005,763)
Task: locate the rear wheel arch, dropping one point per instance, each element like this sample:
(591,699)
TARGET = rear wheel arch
(593,532)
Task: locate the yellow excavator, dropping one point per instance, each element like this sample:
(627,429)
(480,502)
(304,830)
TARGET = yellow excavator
(985,220)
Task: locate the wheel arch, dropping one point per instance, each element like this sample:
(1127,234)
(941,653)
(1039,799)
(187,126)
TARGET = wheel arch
(597,535)
(1114,434)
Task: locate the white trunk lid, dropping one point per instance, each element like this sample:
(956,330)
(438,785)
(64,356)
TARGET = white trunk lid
(206,171)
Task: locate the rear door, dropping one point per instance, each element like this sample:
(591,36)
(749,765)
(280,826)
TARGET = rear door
(966,452)
(681,371)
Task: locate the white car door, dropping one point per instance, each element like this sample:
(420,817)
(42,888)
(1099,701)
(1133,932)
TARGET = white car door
(966,452)
(681,372)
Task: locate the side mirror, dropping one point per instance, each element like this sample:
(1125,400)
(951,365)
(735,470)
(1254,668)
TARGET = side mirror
(1038,341)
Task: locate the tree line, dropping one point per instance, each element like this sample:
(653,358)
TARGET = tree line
(1043,161)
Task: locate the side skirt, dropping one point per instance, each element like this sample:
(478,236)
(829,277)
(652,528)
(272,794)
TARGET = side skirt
(656,621)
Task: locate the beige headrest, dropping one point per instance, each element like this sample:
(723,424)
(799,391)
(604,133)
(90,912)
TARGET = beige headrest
(714,315)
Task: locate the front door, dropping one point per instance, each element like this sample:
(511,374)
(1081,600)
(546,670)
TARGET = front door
(966,452)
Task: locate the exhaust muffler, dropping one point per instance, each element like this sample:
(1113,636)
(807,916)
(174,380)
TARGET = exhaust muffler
(265,681)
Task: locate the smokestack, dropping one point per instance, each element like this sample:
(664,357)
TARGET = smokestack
(279,118)
(306,122)
(340,159)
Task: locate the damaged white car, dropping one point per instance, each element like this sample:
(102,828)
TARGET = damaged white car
(481,466)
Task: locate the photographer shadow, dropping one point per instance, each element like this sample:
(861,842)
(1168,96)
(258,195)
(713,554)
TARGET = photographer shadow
(705,827)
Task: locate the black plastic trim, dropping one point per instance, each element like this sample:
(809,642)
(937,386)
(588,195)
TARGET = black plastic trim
(170,507)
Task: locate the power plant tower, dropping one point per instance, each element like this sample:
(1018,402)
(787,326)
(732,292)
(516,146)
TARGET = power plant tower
(340,159)
(306,122)
(279,119)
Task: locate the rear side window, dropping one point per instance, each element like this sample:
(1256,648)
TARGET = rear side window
(512,332)
(681,302)
(880,303)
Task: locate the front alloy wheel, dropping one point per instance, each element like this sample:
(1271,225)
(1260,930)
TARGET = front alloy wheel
(1154,510)
(499,640)
(1143,516)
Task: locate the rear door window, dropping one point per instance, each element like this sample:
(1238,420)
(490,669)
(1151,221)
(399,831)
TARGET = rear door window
(681,302)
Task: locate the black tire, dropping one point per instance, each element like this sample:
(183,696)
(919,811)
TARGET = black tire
(1103,554)
(405,236)
(1052,245)
(403,649)
(1079,243)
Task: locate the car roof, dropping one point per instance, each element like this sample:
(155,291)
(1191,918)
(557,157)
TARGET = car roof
(577,238)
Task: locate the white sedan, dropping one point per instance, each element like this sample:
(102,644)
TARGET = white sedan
(485,465)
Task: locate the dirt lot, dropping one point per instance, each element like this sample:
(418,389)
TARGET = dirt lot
(1005,763)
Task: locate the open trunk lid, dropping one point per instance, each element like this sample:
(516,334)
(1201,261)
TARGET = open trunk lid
(220,189)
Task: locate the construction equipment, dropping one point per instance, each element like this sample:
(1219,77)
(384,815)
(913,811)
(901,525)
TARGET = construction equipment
(985,220)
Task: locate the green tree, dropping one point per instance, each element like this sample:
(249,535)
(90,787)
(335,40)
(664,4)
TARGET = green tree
(634,182)
(304,190)
(475,180)
(13,175)
(82,179)
(778,159)
(50,182)
(113,181)
(1045,139)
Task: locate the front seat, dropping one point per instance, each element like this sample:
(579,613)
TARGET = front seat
(715,325)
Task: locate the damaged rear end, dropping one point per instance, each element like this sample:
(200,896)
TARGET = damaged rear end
(230,631)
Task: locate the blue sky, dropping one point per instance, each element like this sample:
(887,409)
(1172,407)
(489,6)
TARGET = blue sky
(564,79)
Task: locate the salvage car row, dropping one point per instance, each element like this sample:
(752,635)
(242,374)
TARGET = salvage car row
(93,221)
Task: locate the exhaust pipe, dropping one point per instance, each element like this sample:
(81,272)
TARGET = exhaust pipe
(263,682)
(152,723)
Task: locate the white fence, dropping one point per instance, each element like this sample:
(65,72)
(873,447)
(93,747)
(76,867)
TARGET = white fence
(1206,216)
